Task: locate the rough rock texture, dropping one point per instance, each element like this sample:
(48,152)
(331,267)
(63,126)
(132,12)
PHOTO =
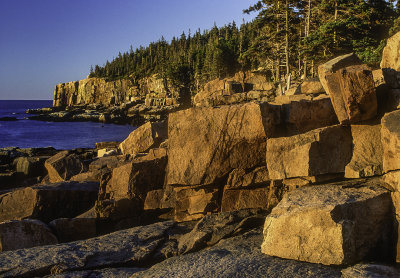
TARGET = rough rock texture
(124,272)
(391,55)
(331,224)
(126,191)
(193,202)
(242,87)
(352,91)
(128,246)
(72,229)
(247,189)
(240,178)
(63,166)
(106,93)
(391,141)
(24,234)
(31,166)
(48,202)
(147,136)
(236,257)
(311,86)
(367,159)
(371,271)
(317,152)
(207,143)
(302,113)
(212,228)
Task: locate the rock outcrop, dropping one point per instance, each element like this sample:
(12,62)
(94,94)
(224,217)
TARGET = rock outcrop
(63,166)
(127,246)
(25,234)
(317,152)
(351,88)
(390,55)
(147,136)
(48,202)
(242,87)
(332,224)
(205,144)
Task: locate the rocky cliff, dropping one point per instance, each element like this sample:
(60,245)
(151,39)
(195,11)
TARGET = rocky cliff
(153,91)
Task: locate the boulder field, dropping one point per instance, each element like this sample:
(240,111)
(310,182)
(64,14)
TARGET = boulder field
(245,183)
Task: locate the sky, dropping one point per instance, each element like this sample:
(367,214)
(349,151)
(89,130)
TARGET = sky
(46,42)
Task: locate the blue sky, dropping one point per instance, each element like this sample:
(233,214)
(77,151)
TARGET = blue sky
(46,42)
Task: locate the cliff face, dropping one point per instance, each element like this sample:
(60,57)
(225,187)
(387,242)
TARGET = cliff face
(152,90)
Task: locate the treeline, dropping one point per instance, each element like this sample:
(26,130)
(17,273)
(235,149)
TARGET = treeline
(286,40)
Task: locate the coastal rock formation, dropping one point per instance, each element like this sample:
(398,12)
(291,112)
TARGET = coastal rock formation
(48,202)
(24,234)
(127,246)
(125,193)
(242,87)
(302,113)
(390,55)
(367,159)
(351,88)
(147,136)
(205,144)
(391,141)
(107,93)
(73,229)
(314,153)
(62,166)
(332,224)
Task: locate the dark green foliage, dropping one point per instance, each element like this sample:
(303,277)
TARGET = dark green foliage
(287,37)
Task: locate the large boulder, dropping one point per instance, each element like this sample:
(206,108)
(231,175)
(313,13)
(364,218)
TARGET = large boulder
(63,166)
(302,113)
(317,152)
(48,202)
(351,88)
(391,54)
(367,151)
(147,136)
(125,193)
(391,141)
(24,234)
(129,246)
(31,166)
(205,144)
(331,224)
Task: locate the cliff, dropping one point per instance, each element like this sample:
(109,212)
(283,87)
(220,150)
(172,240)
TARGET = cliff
(153,90)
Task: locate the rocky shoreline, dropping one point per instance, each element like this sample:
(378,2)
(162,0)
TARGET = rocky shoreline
(303,185)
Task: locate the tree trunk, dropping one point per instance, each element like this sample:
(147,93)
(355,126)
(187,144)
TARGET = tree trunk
(287,38)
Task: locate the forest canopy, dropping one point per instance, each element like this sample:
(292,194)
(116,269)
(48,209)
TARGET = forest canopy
(287,38)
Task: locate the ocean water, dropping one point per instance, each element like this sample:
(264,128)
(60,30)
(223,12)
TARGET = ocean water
(26,133)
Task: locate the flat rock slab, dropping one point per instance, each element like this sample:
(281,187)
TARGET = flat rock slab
(371,271)
(123,247)
(333,224)
(99,273)
(236,257)
(48,202)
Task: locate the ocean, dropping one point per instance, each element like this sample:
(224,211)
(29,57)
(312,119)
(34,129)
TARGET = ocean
(26,133)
